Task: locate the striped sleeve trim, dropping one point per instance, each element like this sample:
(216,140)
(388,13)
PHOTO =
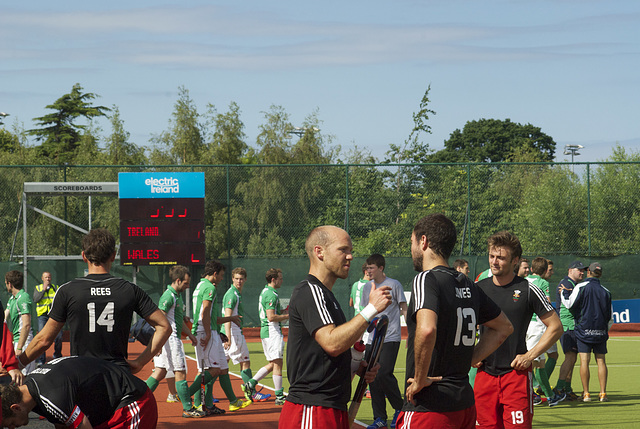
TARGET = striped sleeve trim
(542,297)
(321,306)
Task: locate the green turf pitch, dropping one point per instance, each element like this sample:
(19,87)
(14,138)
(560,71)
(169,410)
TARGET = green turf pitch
(623,410)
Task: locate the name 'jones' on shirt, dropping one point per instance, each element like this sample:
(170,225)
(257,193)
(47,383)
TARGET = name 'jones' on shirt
(463,292)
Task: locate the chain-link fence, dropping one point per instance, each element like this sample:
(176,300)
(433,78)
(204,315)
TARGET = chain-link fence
(260,215)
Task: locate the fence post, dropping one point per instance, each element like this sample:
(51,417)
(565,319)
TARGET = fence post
(228,216)
(469,205)
(589,208)
(346,212)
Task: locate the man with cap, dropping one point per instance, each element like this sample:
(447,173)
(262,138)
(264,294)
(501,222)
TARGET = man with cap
(590,303)
(568,339)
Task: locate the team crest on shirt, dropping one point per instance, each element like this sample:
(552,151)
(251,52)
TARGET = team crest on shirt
(516,295)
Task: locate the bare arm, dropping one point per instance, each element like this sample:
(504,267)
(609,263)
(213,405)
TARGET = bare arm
(550,336)
(497,331)
(24,331)
(41,342)
(159,321)
(337,339)
(273,317)
(425,340)
(228,312)
(187,331)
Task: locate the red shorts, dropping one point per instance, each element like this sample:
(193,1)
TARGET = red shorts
(312,417)
(505,401)
(463,419)
(141,414)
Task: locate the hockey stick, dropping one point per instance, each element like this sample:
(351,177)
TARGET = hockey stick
(203,386)
(380,331)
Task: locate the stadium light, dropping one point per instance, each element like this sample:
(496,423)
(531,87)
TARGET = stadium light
(572,149)
(2,116)
(301,131)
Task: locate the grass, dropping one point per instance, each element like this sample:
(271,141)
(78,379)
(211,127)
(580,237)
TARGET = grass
(623,388)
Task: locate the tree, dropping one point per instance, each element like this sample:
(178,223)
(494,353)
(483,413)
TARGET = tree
(494,140)
(228,145)
(59,134)
(119,150)
(184,139)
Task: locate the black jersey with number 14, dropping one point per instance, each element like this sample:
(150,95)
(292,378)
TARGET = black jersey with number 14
(98,309)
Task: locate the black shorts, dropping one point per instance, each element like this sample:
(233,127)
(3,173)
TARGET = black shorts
(597,348)
(568,342)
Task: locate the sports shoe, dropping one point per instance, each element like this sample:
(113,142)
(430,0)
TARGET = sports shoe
(586,397)
(172,398)
(571,396)
(213,411)
(215,401)
(537,400)
(239,404)
(556,398)
(395,418)
(377,424)
(604,397)
(248,390)
(193,413)
(280,400)
(260,397)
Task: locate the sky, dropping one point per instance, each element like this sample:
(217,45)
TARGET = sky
(570,67)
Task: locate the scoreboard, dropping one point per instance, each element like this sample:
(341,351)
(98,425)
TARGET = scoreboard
(161,218)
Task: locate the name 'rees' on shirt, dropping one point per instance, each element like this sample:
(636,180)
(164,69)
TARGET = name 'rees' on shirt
(460,305)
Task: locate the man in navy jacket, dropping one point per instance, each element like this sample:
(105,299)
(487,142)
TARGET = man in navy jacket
(590,303)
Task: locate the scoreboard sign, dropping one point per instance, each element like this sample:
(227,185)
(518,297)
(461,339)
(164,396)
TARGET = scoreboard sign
(161,218)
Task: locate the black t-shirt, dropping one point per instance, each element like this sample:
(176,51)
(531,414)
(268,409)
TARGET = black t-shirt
(66,388)
(315,377)
(519,300)
(460,305)
(98,309)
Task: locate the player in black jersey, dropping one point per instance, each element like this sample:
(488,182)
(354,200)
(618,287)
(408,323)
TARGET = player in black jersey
(502,388)
(81,392)
(320,338)
(98,309)
(443,313)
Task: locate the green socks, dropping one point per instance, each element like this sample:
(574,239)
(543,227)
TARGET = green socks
(152,383)
(182,388)
(550,365)
(543,379)
(246,375)
(225,383)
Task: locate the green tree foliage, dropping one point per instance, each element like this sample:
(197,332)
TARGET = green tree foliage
(228,144)
(59,133)
(183,143)
(119,150)
(494,140)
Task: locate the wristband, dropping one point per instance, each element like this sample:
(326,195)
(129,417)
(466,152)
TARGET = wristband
(369,312)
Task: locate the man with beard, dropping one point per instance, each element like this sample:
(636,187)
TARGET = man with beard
(443,313)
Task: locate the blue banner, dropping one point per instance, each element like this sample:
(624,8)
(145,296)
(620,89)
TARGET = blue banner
(161,185)
(626,311)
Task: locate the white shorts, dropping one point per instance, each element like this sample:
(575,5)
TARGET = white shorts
(212,356)
(238,350)
(534,333)
(172,356)
(273,346)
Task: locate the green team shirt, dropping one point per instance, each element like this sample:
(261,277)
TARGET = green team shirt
(484,275)
(356,295)
(18,305)
(269,300)
(232,299)
(542,284)
(172,304)
(205,291)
